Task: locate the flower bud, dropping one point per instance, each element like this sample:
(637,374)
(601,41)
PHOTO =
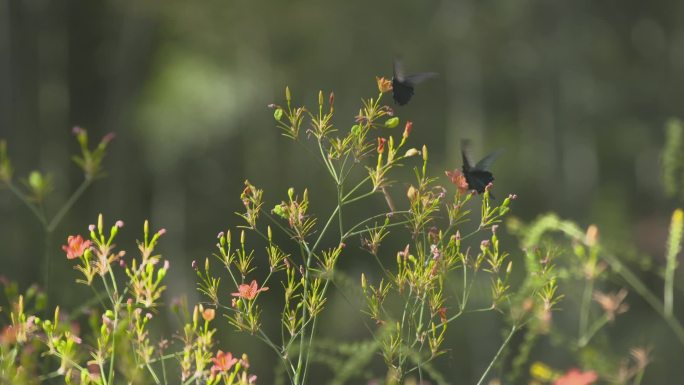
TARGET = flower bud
(407,129)
(425,153)
(288,96)
(381,145)
(392,122)
(412,193)
(320,97)
(278,114)
(411,152)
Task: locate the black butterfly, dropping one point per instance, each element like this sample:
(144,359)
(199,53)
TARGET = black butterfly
(477,176)
(402,84)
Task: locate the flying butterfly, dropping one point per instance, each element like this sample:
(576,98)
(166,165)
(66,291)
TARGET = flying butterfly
(402,84)
(477,175)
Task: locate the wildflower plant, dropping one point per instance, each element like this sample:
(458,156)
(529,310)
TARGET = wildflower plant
(116,341)
(37,186)
(360,162)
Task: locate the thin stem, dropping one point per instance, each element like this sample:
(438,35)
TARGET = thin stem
(358,186)
(496,357)
(313,328)
(47,263)
(646,294)
(328,165)
(154,375)
(584,309)
(376,227)
(363,222)
(586,337)
(325,229)
(39,215)
(69,203)
(358,198)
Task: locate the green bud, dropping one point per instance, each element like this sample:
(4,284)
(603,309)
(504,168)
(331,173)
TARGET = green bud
(35,180)
(355,129)
(278,114)
(425,153)
(320,98)
(288,96)
(392,122)
(290,193)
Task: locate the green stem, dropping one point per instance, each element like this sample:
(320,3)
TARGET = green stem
(325,229)
(586,337)
(584,309)
(358,198)
(31,206)
(646,294)
(69,203)
(313,328)
(496,357)
(353,190)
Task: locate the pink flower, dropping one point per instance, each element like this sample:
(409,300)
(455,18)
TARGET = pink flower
(249,291)
(458,179)
(75,246)
(576,377)
(222,362)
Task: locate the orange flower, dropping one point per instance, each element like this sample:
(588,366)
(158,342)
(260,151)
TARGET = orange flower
(458,179)
(75,246)
(384,85)
(576,377)
(208,314)
(222,362)
(249,291)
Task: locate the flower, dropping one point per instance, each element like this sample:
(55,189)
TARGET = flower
(222,362)
(459,180)
(612,304)
(576,377)
(208,314)
(249,291)
(75,246)
(384,85)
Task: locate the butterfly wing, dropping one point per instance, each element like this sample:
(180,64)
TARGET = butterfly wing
(466,154)
(399,73)
(488,160)
(418,78)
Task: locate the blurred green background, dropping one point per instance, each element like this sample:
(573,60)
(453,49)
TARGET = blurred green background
(577,92)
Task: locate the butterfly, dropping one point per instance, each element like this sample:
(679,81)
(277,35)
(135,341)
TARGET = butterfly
(402,84)
(478,175)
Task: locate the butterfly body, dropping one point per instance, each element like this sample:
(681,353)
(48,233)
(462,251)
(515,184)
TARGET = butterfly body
(477,175)
(403,85)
